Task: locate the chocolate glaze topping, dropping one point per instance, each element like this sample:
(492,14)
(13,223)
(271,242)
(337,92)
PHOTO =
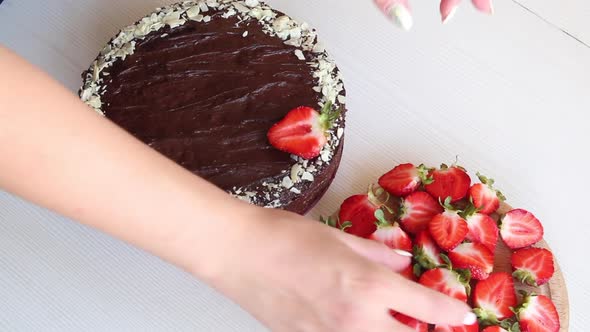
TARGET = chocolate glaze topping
(205,96)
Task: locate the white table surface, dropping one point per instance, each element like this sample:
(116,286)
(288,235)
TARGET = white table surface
(508,94)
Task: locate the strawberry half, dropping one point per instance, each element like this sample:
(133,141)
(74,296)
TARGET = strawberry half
(303,131)
(446,281)
(417,210)
(466,328)
(537,313)
(520,229)
(404,179)
(484,196)
(357,215)
(448,229)
(390,234)
(426,252)
(494,298)
(533,266)
(449,182)
(475,257)
(482,229)
(415,324)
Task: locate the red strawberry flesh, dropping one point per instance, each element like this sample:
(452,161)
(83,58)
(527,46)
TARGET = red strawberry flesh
(483,229)
(520,229)
(473,256)
(448,229)
(403,180)
(533,266)
(537,313)
(494,298)
(445,281)
(417,211)
(358,212)
(451,182)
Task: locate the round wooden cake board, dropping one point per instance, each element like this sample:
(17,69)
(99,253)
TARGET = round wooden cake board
(554,289)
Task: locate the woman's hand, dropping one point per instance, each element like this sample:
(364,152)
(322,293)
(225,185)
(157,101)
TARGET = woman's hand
(399,10)
(294,274)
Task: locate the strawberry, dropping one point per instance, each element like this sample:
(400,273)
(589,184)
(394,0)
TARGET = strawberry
(390,234)
(475,257)
(482,229)
(417,210)
(357,215)
(494,329)
(533,266)
(537,313)
(303,131)
(404,179)
(448,229)
(448,182)
(426,252)
(494,298)
(520,229)
(415,324)
(408,273)
(484,196)
(466,328)
(447,281)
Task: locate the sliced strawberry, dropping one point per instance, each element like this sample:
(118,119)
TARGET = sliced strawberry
(448,229)
(390,234)
(537,313)
(426,252)
(357,216)
(475,257)
(465,328)
(484,196)
(482,229)
(404,179)
(494,329)
(303,131)
(494,298)
(449,182)
(446,281)
(417,210)
(533,266)
(520,229)
(415,324)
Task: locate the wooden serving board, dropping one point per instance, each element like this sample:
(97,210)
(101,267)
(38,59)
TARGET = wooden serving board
(554,289)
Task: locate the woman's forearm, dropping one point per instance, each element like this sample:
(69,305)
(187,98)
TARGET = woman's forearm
(58,153)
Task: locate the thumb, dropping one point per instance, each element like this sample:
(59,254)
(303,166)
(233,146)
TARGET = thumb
(396,260)
(484,6)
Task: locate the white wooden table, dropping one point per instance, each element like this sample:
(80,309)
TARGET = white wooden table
(508,94)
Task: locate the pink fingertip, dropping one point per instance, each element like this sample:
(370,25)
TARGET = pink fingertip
(484,6)
(448,9)
(385,5)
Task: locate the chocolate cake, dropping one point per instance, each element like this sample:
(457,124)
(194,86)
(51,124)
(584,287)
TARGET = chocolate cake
(203,81)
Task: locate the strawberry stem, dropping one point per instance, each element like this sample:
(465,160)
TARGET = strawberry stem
(328,116)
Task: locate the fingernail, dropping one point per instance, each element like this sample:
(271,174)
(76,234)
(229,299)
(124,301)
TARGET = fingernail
(401,16)
(484,6)
(469,319)
(448,9)
(403,253)
(448,16)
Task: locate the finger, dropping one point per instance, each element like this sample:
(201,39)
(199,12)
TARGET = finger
(396,260)
(427,305)
(398,11)
(448,9)
(484,6)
